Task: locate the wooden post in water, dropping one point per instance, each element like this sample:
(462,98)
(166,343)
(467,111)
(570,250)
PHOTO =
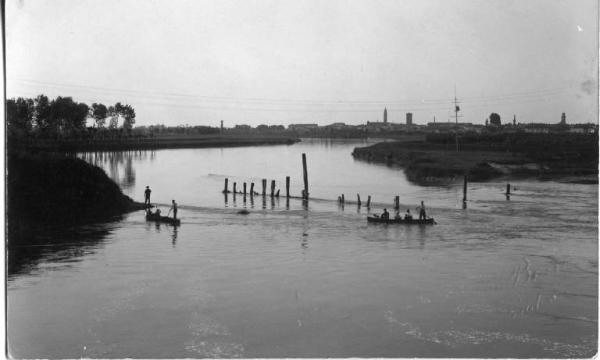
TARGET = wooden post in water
(234,185)
(507,189)
(397,203)
(272,188)
(465,191)
(277,193)
(305,176)
(358,199)
(369,202)
(264,186)
(252,189)
(226,186)
(342,198)
(287,186)
(244,189)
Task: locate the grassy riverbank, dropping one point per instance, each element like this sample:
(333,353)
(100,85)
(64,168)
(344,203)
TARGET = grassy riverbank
(47,190)
(435,159)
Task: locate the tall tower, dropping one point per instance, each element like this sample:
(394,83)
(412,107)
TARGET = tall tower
(563,119)
(385,115)
(409,119)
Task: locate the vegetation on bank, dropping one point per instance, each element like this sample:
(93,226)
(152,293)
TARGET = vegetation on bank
(440,157)
(48,189)
(60,118)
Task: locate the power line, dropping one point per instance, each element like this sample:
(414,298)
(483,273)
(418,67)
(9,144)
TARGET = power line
(422,103)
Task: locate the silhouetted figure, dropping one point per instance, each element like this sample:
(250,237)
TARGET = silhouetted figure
(147,196)
(422,214)
(174,208)
(385,215)
(408,215)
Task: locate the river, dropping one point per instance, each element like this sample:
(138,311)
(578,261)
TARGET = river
(502,278)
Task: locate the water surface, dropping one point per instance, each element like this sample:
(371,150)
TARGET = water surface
(503,278)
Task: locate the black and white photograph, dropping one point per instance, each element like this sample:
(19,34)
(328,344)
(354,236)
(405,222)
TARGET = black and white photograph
(192,179)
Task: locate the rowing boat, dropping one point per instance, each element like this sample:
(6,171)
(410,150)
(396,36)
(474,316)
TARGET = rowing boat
(374,219)
(165,219)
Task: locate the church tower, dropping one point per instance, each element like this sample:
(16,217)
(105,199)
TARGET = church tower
(385,115)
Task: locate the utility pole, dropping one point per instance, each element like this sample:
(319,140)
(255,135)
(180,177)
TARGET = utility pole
(456,107)
(456,116)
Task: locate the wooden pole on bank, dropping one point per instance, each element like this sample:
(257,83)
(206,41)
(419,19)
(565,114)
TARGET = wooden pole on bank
(305,172)
(226,186)
(272,188)
(287,186)
(264,187)
(397,203)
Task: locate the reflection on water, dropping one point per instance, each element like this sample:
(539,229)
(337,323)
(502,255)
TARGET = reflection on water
(54,245)
(119,164)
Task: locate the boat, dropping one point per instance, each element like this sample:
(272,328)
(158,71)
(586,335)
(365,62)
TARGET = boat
(376,219)
(165,219)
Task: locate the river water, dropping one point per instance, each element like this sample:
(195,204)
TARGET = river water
(502,278)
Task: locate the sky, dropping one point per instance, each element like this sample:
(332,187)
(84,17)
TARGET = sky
(254,62)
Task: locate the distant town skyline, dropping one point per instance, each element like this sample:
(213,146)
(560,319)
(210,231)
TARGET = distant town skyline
(271,62)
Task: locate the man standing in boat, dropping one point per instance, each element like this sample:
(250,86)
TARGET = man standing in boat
(147,196)
(174,208)
(422,214)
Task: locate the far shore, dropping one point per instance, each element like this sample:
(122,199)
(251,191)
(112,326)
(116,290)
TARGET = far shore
(153,143)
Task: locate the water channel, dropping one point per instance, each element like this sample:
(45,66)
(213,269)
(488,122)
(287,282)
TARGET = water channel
(502,278)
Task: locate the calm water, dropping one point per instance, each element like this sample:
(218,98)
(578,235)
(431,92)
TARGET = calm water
(503,278)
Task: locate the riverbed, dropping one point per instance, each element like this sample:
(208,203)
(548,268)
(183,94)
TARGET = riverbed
(502,278)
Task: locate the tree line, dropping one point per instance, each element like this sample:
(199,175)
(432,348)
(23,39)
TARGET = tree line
(63,117)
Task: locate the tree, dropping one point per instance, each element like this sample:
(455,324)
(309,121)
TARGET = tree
(99,113)
(495,119)
(113,117)
(128,115)
(19,116)
(41,112)
(67,115)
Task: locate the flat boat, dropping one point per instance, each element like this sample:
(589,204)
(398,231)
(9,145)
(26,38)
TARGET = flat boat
(165,219)
(375,219)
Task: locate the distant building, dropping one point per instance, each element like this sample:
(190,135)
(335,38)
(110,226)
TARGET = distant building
(303,128)
(378,126)
(538,128)
(337,126)
(409,119)
(563,119)
(452,126)
(385,115)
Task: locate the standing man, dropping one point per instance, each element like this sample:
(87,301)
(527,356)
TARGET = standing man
(147,196)
(174,208)
(422,214)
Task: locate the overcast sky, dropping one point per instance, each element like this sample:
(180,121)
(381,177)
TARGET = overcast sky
(279,62)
